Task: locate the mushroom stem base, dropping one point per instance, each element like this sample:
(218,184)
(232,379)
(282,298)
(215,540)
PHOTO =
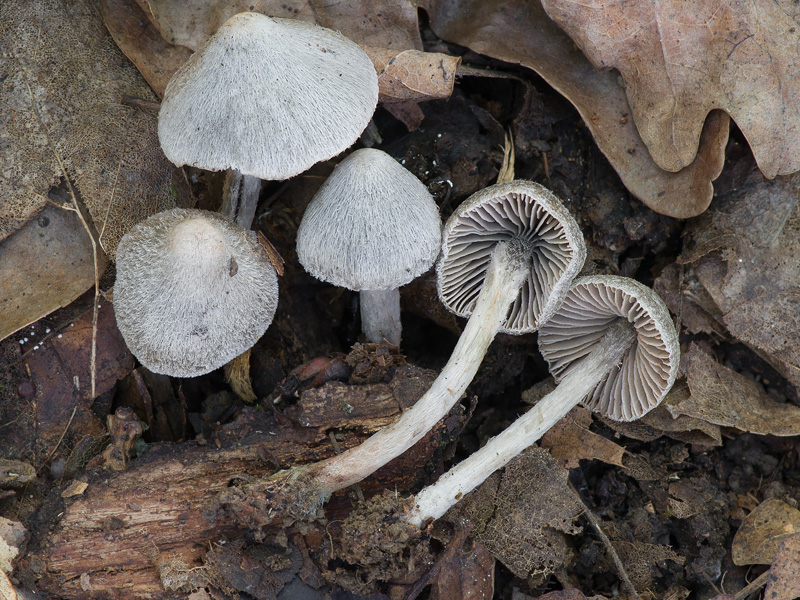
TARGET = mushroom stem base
(240,197)
(504,277)
(436,499)
(380,315)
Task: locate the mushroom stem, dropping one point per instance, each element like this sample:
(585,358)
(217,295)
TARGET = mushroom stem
(240,197)
(505,274)
(435,500)
(380,315)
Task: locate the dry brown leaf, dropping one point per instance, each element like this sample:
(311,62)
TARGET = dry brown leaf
(390,37)
(521,32)
(468,575)
(55,253)
(681,60)
(746,254)
(570,440)
(784,580)
(762,531)
(689,301)
(723,397)
(413,75)
(60,368)
(394,25)
(520,516)
(7,591)
(63,77)
(140,40)
(660,421)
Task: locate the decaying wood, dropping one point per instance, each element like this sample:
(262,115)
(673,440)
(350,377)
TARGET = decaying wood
(100,541)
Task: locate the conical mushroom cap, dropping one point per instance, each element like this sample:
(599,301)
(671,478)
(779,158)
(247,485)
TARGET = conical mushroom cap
(193,291)
(648,369)
(371,226)
(501,212)
(267,97)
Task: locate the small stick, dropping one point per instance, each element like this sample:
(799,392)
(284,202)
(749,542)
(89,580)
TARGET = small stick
(753,587)
(137,102)
(623,575)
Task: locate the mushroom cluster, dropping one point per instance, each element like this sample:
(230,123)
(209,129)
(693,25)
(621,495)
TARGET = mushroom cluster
(267,98)
(509,253)
(611,345)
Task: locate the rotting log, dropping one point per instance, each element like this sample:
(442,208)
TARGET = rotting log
(101,543)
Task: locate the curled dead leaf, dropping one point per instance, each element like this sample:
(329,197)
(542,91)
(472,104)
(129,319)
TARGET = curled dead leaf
(679,61)
(522,33)
(723,397)
(412,75)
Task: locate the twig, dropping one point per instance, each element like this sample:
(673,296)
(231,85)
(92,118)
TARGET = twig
(753,587)
(623,575)
(61,439)
(507,168)
(92,362)
(110,202)
(137,102)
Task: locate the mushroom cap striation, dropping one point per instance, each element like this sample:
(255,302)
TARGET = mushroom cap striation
(193,291)
(267,97)
(648,369)
(516,210)
(371,226)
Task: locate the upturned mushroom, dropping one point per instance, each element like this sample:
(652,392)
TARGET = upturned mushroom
(611,345)
(372,227)
(509,253)
(266,98)
(193,291)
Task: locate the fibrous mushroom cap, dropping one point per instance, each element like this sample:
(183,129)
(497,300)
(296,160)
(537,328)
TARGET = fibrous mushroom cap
(193,291)
(648,369)
(514,210)
(371,226)
(267,97)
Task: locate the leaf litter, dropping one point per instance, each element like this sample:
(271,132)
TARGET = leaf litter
(677,491)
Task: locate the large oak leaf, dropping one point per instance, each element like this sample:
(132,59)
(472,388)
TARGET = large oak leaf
(680,60)
(521,32)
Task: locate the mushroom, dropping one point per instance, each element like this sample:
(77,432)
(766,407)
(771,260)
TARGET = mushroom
(509,253)
(193,291)
(611,345)
(266,98)
(371,228)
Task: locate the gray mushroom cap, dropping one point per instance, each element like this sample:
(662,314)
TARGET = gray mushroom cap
(267,97)
(517,209)
(371,226)
(648,369)
(193,291)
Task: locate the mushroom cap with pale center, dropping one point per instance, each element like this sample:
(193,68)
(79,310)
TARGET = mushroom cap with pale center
(371,226)
(647,370)
(193,291)
(521,210)
(268,98)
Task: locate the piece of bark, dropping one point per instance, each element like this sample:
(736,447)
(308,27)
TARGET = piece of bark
(166,499)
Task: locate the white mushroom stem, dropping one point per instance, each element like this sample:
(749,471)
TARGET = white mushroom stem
(380,315)
(435,500)
(507,270)
(240,197)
